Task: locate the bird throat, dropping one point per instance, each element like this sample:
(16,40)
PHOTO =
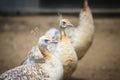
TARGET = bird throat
(45,53)
(63,36)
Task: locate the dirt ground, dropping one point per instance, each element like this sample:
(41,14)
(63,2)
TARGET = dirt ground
(102,61)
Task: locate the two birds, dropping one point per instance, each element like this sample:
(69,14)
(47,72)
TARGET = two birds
(61,63)
(81,37)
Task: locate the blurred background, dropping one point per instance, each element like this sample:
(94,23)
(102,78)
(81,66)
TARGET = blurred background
(19,17)
(53,6)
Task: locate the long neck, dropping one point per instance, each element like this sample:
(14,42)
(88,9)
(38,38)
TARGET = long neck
(63,36)
(50,59)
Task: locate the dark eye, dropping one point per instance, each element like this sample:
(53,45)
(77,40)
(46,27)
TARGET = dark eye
(63,23)
(46,40)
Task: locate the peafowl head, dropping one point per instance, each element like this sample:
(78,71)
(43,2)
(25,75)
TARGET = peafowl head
(44,41)
(64,23)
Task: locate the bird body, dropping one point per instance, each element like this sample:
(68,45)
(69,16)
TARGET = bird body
(65,52)
(82,36)
(67,56)
(51,69)
(37,71)
(25,72)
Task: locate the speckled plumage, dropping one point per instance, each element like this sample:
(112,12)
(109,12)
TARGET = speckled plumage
(50,69)
(36,71)
(26,72)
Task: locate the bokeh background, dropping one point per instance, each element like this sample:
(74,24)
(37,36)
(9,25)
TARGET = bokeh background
(19,17)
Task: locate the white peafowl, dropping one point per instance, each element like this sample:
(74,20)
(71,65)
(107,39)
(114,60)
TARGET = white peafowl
(82,36)
(65,51)
(51,69)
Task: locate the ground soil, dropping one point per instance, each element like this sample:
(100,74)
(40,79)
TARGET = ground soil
(101,62)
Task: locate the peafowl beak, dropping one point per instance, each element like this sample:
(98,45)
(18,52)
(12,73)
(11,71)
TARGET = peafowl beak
(70,24)
(54,41)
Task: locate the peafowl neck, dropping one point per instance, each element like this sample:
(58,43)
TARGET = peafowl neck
(46,54)
(63,36)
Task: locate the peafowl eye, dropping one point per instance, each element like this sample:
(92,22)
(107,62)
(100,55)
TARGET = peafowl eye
(47,41)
